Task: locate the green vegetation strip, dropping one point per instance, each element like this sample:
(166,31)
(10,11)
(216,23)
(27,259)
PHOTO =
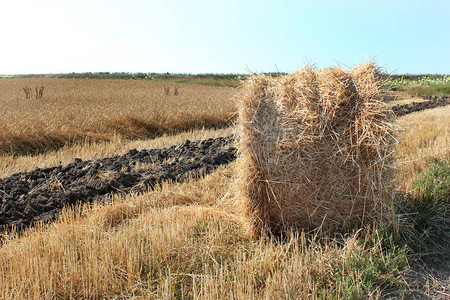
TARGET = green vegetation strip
(424,214)
(427,85)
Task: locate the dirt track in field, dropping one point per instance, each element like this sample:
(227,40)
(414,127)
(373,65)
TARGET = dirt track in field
(39,195)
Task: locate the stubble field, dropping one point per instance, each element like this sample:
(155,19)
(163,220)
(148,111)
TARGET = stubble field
(181,239)
(79,110)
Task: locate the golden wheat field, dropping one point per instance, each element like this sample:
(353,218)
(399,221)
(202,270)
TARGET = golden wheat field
(74,110)
(181,240)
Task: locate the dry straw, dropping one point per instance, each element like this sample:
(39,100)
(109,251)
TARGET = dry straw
(316,150)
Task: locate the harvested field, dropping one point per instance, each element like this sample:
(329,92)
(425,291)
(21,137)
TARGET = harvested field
(40,195)
(79,110)
(182,241)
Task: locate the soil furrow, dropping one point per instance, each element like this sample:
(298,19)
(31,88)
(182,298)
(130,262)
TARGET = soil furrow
(432,102)
(41,194)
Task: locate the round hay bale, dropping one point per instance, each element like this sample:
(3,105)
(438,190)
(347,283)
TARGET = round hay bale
(316,150)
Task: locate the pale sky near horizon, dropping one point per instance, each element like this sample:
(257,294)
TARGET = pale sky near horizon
(234,36)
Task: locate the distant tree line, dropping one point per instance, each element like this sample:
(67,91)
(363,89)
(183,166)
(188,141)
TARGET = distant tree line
(187,76)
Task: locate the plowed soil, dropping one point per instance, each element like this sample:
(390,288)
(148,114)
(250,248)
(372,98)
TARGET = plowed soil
(40,195)
(432,102)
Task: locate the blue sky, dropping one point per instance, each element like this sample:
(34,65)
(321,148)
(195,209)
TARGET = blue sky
(234,36)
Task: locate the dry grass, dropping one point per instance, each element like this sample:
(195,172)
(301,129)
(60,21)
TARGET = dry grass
(399,97)
(185,240)
(74,110)
(426,136)
(182,241)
